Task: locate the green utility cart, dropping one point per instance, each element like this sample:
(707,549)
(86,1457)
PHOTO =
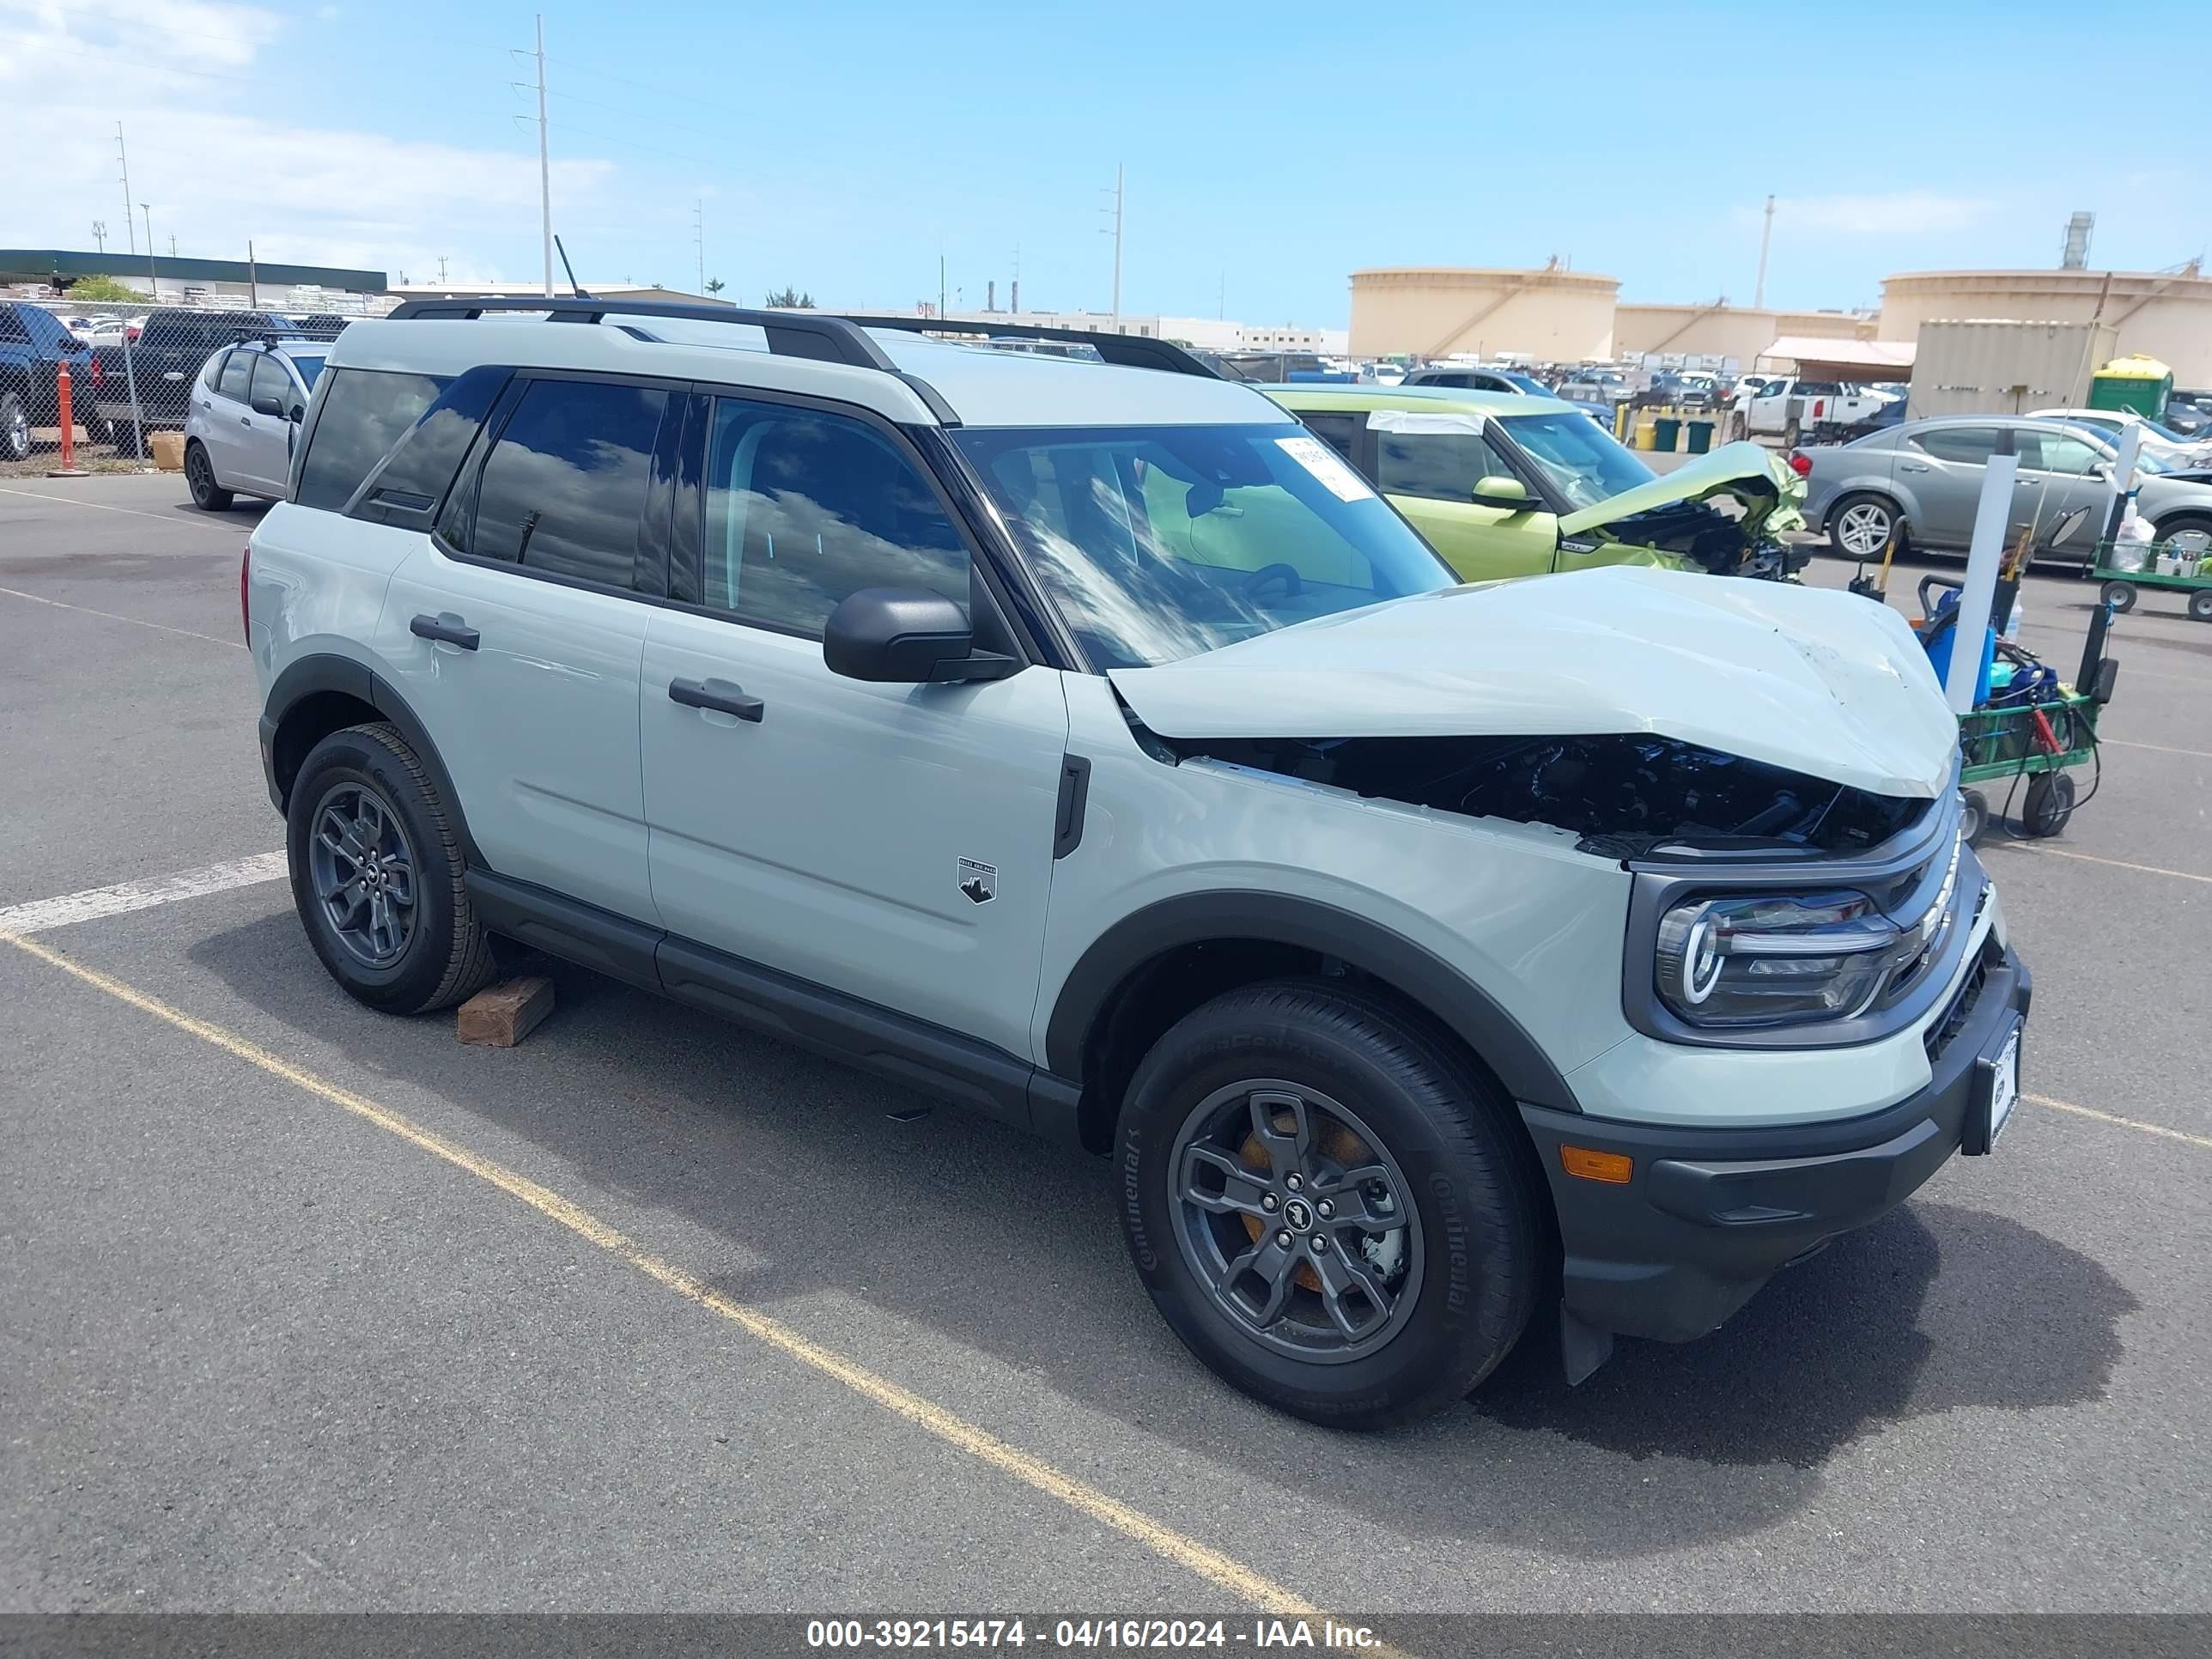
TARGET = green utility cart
(2192,575)
(2008,746)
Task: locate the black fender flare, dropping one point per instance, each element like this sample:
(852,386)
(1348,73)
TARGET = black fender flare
(326,671)
(1503,1043)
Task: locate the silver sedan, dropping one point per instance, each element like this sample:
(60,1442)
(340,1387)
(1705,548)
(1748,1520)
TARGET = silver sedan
(1922,482)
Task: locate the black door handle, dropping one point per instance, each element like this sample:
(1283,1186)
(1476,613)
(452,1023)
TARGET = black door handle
(719,694)
(449,627)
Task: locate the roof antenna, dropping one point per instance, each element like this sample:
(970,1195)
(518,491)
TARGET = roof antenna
(571,269)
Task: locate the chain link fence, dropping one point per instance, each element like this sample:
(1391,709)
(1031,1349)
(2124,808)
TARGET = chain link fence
(132,365)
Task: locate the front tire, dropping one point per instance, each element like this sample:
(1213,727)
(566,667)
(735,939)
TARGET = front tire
(1860,526)
(208,496)
(377,876)
(2120,596)
(1334,1211)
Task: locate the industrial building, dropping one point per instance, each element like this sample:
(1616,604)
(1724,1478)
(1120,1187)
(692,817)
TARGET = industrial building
(1718,328)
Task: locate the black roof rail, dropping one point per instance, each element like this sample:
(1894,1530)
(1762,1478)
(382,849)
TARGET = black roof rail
(1127,350)
(823,338)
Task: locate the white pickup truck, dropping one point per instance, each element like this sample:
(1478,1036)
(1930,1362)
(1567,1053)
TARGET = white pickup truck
(1793,409)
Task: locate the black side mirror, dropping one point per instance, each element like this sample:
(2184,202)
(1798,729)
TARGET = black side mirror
(907,636)
(266,404)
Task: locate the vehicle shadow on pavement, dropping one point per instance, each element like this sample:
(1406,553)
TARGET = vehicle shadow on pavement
(1009,1248)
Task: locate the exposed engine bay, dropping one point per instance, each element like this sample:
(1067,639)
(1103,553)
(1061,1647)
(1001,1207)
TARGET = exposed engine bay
(1625,795)
(1713,537)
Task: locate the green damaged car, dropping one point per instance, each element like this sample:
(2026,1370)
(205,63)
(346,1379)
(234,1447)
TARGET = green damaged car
(1520,486)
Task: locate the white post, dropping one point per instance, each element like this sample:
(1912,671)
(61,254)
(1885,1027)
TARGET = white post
(544,166)
(1999,474)
(2123,474)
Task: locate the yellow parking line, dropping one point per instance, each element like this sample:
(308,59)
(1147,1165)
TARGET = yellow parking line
(1163,1540)
(2043,851)
(2158,1129)
(2163,749)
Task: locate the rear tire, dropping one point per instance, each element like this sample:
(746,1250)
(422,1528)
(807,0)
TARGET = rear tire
(1860,526)
(1353,1329)
(2200,605)
(361,810)
(2120,596)
(208,496)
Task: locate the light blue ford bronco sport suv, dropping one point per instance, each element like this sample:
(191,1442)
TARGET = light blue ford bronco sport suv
(1077,738)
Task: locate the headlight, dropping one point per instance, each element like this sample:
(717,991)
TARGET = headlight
(1774,960)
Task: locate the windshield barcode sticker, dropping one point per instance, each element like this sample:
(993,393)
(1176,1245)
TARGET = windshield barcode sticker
(1339,480)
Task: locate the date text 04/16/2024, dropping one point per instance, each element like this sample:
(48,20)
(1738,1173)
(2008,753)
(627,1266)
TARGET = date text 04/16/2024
(1081,1635)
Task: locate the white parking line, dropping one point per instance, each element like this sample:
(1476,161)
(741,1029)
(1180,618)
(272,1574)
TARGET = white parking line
(2040,851)
(135,622)
(2163,749)
(40,915)
(132,512)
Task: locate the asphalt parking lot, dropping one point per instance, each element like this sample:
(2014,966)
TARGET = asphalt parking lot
(303,1308)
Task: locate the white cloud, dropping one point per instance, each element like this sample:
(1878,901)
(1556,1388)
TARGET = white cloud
(214,178)
(1899,213)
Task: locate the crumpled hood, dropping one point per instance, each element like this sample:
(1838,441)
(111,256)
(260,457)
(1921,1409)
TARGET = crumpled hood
(1761,479)
(1816,680)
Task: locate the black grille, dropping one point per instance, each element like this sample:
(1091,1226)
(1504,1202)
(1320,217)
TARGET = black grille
(1940,1031)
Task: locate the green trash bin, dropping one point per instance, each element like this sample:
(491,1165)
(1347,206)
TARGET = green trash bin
(1665,432)
(1701,437)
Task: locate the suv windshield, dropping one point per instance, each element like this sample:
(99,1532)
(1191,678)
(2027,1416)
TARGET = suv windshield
(1159,542)
(1580,458)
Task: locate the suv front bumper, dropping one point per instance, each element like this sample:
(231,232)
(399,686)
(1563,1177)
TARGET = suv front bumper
(1709,1215)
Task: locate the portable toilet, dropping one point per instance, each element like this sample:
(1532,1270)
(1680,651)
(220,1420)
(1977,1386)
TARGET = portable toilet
(2134,382)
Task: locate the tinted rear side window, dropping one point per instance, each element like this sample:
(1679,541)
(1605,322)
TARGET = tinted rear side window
(365,412)
(431,452)
(563,490)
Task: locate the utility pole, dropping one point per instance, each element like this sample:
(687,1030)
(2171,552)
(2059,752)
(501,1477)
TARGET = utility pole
(99,234)
(940,287)
(1014,293)
(699,238)
(124,156)
(1117,234)
(1221,300)
(442,270)
(173,244)
(544,162)
(152,275)
(252,278)
(1766,235)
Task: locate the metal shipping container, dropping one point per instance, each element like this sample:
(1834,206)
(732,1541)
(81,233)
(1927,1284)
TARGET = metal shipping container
(1977,367)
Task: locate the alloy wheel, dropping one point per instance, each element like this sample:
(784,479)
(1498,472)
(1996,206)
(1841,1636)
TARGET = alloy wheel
(363,873)
(1295,1220)
(1863,529)
(17,435)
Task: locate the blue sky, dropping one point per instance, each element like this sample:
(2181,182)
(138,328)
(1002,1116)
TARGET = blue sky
(1270,148)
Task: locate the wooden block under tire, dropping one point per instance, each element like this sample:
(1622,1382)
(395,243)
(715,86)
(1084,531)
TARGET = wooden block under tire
(501,1015)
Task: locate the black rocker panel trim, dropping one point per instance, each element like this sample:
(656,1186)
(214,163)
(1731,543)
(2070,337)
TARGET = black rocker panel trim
(877,1040)
(1304,924)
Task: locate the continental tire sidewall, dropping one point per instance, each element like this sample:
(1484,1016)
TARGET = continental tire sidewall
(1479,1241)
(413,983)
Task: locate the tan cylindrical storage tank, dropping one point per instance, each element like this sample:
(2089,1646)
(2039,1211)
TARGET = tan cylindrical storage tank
(2168,317)
(1562,316)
